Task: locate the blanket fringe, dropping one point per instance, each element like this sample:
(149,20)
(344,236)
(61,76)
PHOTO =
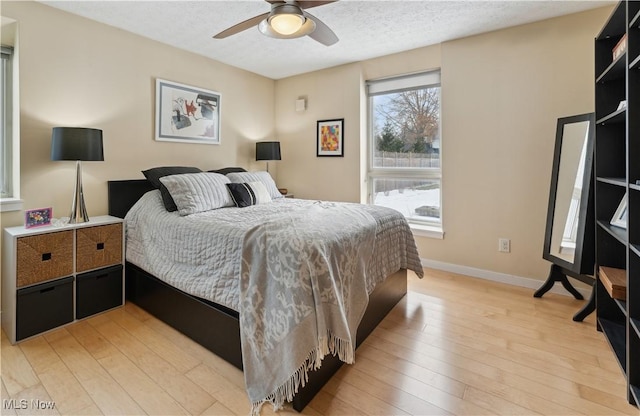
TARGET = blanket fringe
(326,345)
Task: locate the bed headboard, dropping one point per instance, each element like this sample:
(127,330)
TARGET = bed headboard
(123,194)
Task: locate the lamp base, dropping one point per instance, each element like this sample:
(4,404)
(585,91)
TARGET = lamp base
(78,209)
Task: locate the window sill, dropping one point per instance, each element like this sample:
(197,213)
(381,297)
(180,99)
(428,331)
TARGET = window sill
(429,231)
(10,204)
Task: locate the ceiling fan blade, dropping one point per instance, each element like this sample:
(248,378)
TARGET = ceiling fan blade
(322,33)
(247,24)
(307,4)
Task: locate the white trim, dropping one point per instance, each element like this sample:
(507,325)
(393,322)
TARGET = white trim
(429,231)
(10,204)
(498,277)
(13,203)
(403,82)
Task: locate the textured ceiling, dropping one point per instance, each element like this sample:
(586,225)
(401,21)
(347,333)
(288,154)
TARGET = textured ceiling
(366,29)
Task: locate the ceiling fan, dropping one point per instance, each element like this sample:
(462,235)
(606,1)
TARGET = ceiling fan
(287,20)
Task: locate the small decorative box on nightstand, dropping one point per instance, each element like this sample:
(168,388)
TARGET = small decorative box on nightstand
(52,276)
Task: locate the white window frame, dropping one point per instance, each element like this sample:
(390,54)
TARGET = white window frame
(393,85)
(10,137)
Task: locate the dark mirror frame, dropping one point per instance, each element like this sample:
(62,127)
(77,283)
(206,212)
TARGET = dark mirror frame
(584,258)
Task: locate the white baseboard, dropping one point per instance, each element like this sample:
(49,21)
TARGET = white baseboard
(499,277)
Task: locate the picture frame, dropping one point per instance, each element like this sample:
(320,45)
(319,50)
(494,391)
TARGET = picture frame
(330,138)
(39,217)
(186,114)
(619,218)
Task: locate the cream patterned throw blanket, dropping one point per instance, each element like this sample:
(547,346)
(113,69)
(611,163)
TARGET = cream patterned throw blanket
(302,295)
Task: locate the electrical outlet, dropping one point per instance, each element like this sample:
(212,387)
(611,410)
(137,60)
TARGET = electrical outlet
(504,245)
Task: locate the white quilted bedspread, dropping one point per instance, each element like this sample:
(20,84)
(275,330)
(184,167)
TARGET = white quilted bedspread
(201,254)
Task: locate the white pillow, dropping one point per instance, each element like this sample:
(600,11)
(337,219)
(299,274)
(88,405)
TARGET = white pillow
(198,192)
(264,177)
(262,195)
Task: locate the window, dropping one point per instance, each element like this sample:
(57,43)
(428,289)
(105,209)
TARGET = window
(9,119)
(404,141)
(6,136)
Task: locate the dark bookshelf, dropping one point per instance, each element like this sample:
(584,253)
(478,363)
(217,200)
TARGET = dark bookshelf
(617,150)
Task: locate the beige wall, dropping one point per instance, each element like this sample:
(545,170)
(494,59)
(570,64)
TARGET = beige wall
(502,93)
(331,93)
(76,72)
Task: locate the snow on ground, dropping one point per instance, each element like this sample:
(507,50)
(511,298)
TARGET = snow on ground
(408,200)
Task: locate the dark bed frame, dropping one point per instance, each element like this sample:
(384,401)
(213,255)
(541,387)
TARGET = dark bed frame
(216,327)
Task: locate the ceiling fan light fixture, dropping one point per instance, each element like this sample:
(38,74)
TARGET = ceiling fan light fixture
(286,24)
(307,27)
(286,21)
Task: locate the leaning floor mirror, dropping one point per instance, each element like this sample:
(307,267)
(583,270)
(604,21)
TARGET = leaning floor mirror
(569,237)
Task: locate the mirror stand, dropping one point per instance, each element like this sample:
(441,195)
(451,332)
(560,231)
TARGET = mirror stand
(569,242)
(560,274)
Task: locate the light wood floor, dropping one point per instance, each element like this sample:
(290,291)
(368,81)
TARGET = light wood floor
(454,345)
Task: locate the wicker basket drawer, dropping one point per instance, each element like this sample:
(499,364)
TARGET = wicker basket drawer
(44,257)
(98,247)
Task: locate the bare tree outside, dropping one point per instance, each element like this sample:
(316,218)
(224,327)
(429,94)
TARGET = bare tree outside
(411,117)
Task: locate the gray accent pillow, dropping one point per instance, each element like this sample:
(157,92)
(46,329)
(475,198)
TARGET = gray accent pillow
(198,192)
(153,175)
(264,177)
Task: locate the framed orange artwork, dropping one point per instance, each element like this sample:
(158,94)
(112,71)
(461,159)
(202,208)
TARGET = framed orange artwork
(330,138)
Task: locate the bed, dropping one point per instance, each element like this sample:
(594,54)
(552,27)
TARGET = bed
(216,324)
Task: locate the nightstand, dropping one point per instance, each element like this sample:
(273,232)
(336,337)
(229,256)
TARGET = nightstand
(52,276)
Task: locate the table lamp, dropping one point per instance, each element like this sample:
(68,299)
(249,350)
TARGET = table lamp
(268,151)
(79,144)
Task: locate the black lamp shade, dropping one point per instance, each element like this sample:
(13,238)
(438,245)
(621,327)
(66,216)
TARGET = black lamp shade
(76,143)
(268,151)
